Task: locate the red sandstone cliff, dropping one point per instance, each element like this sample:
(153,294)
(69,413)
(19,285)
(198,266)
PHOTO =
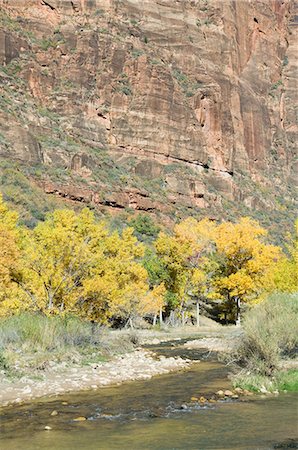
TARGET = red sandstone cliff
(156,105)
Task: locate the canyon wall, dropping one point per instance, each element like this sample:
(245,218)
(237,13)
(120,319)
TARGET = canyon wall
(168,106)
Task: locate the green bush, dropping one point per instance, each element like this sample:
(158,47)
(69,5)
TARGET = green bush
(288,381)
(282,381)
(144,226)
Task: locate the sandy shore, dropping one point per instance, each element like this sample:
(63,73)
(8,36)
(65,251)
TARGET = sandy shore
(138,365)
(212,344)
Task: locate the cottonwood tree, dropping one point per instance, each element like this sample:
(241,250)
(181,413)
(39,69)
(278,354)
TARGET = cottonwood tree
(284,277)
(183,256)
(9,257)
(242,261)
(117,285)
(57,256)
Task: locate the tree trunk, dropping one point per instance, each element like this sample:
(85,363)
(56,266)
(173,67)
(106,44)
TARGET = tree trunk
(160,316)
(198,313)
(154,319)
(183,317)
(238,317)
(129,323)
(172,318)
(50,301)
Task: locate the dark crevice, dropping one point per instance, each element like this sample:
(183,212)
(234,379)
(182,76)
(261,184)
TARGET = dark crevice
(48,5)
(112,204)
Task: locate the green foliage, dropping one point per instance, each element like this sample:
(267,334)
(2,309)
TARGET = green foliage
(3,361)
(188,87)
(12,69)
(9,23)
(155,62)
(144,227)
(274,88)
(134,21)
(288,380)
(136,53)
(276,85)
(284,380)
(172,300)
(155,267)
(123,85)
(29,200)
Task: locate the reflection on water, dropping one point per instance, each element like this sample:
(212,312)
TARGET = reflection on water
(151,415)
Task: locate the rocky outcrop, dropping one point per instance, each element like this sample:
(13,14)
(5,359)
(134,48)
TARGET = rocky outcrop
(152,105)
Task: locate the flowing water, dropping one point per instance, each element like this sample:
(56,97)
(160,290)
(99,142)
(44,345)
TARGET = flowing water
(156,415)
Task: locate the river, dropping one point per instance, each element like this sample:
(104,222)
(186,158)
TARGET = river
(156,414)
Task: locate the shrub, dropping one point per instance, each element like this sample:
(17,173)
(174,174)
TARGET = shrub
(270,333)
(38,332)
(144,227)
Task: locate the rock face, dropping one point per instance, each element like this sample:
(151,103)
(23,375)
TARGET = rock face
(171,106)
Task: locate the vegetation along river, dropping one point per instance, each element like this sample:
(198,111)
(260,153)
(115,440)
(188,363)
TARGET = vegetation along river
(155,414)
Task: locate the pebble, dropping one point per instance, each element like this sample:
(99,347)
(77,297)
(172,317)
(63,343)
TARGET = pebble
(79,419)
(220,393)
(238,390)
(228,393)
(47,427)
(27,390)
(54,413)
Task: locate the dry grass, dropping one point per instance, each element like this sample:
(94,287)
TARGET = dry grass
(269,336)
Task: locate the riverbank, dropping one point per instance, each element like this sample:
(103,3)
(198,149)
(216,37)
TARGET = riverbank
(61,377)
(137,365)
(42,356)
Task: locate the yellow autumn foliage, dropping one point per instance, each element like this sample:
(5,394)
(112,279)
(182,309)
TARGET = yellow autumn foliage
(72,263)
(243,261)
